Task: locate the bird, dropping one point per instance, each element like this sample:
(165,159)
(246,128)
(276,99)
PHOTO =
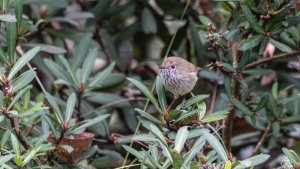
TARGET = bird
(178,76)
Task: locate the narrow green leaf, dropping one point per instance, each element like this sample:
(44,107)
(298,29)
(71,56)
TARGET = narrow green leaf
(216,116)
(185,115)
(69,70)
(149,24)
(15,145)
(160,90)
(70,108)
(54,105)
(252,42)
(18,12)
(251,19)
(227,86)
(3,57)
(22,61)
(88,65)
(11,37)
(145,90)
(253,161)
(216,145)
(30,155)
(291,119)
(180,139)
(229,67)
(81,50)
(18,96)
(280,46)
(47,48)
(241,107)
(198,145)
(4,159)
(4,138)
(57,70)
(257,71)
(263,46)
(23,80)
(195,99)
(274,106)
(293,159)
(149,117)
(91,122)
(228,165)
(275,90)
(8,18)
(101,76)
(206,20)
(262,103)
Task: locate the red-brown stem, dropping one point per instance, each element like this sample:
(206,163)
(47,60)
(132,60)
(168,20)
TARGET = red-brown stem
(30,129)
(264,60)
(262,139)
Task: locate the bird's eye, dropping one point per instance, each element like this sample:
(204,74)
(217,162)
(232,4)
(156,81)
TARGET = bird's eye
(173,66)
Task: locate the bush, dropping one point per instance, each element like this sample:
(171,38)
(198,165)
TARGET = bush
(65,101)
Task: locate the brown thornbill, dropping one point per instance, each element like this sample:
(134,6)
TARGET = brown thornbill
(178,76)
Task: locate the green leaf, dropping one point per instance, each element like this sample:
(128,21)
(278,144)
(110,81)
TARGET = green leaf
(23,80)
(145,90)
(280,45)
(274,107)
(291,155)
(291,119)
(69,70)
(251,19)
(8,18)
(57,70)
(15,145)
(252,42)
(263,46)
(11,37)
(160,90)
(216,116)
(88,65)
(229,67)
(47,48)
(149,24)
(3,57)
(54,105)
(18,12)
(185,115)
(30,155)
(149,117)
(253,161)
(206,20)
(91,122)
(216,145)
(241,107)
(81,50)
(180,139)
(4,138)
(18,96)
(198,45)
(70,108)
(195,99)
(198,145)
(22,61)
(262,103)
(257,71)
(101,76)
(227,86)
(4,159)
(275,90)
(275,128)
(51,3)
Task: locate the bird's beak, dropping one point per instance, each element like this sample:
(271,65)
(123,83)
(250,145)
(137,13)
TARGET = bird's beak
(162,67)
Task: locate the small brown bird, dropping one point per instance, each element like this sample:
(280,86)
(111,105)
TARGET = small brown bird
(178,75)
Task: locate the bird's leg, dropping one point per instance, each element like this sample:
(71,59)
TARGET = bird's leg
(168,109)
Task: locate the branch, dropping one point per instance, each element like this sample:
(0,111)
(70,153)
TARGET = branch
(262,139)
(280,56)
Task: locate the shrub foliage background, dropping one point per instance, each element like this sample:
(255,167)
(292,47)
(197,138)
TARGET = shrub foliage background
(79,84)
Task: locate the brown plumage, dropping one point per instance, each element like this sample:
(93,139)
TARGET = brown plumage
(178,75)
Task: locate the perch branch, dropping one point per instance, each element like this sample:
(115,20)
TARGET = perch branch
(280,56)
(262,139)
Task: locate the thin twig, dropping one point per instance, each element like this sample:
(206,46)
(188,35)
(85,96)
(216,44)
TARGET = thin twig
(213,98)
(30,129)
(262,139)
(280,56)
(3,128)
(21,52)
